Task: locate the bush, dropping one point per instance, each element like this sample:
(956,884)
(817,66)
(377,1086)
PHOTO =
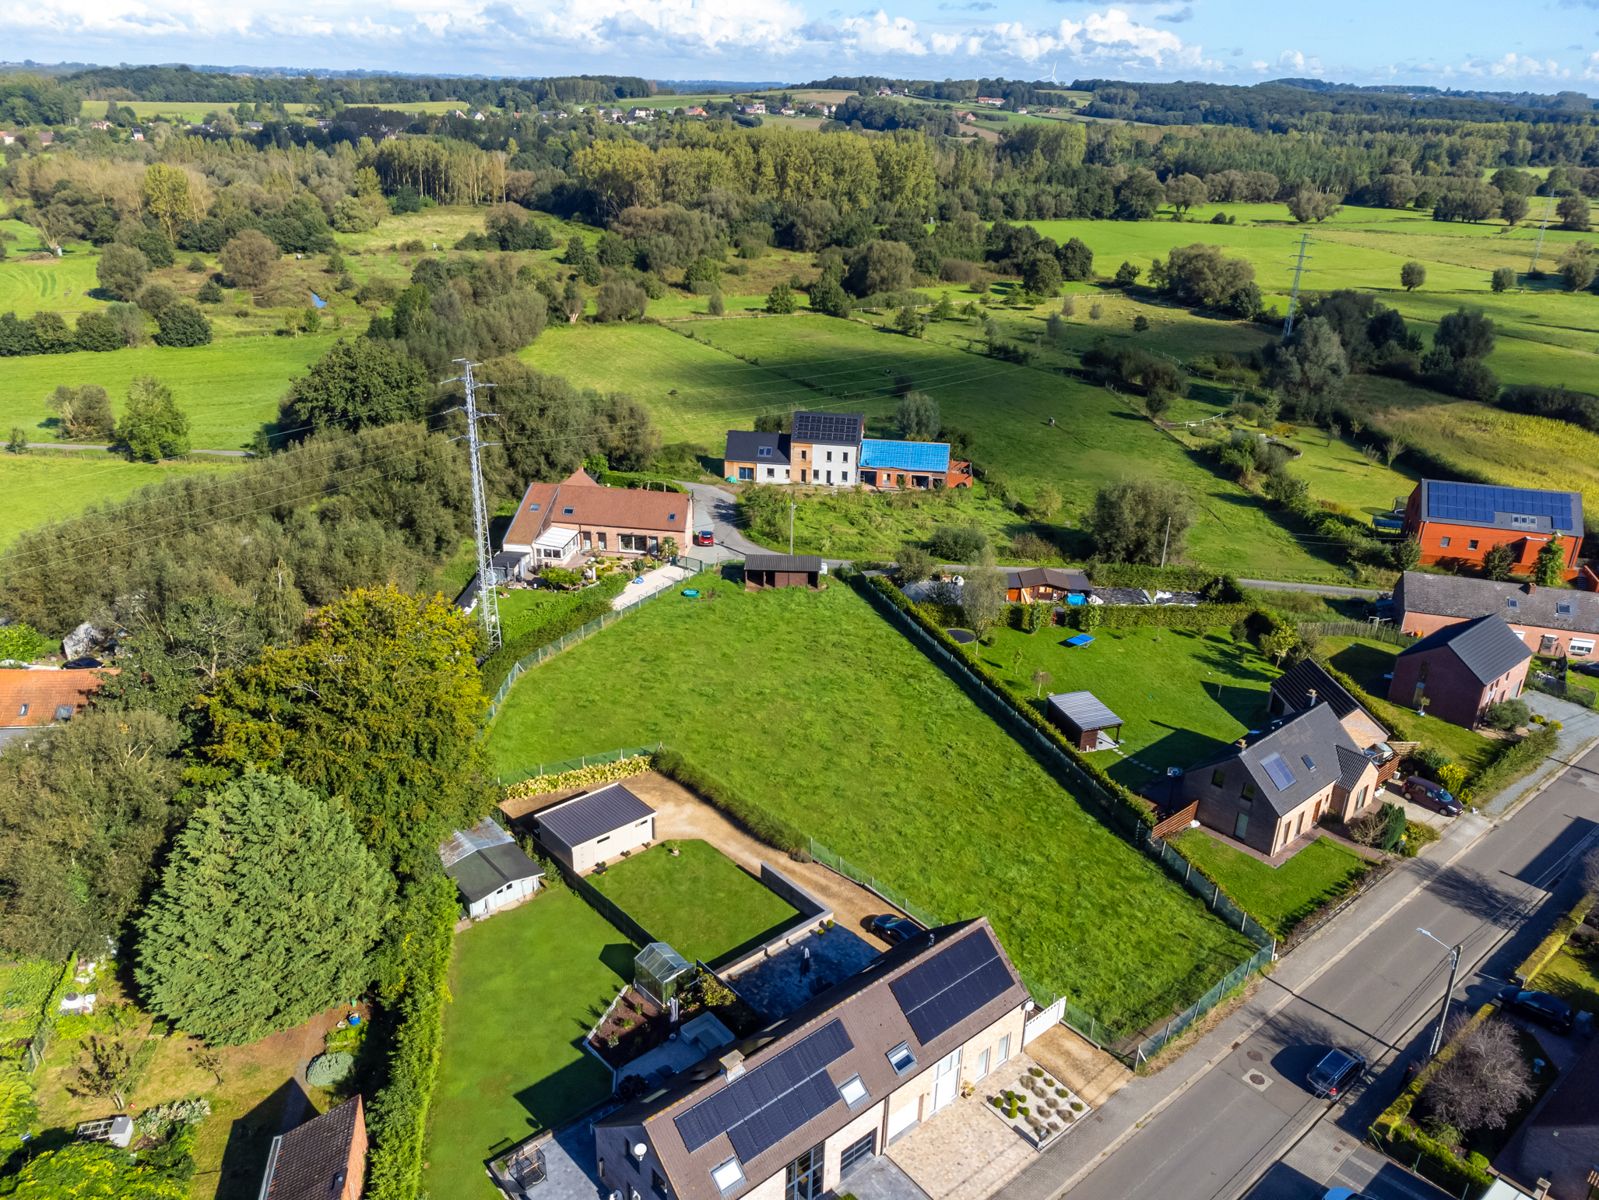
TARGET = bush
(959,543)
(1514,761)
(182,325)
(325,1070)
(764,826)
(1507,715)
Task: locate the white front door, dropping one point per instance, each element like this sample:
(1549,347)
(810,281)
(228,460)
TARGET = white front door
(947,1079)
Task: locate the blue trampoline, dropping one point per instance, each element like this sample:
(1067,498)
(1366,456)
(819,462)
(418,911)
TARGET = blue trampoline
(1081,639)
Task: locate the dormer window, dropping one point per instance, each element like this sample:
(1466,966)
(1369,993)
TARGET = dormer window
(764,452)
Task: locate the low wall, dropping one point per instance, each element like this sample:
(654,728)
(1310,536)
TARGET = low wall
(812,912)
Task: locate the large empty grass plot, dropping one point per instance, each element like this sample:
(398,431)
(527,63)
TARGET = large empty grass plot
(813,707)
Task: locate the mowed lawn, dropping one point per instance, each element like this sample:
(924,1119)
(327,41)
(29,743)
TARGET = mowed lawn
(702,903)
(525,987)
(812,706)
(1278,897)
(1183,696)
(46,486)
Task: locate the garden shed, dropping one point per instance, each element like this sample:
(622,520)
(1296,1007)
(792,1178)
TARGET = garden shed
(658,970)
(586,830)
(782,570)
(489,869)
(1085,720)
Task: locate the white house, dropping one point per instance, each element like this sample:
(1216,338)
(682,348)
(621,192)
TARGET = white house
(489,869)
(586,830)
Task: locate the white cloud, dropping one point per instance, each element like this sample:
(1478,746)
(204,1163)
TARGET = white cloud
(1516,66)
(879,33)
(1298,63)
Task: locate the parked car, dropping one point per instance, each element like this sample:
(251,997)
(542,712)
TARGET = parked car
(893,929)
(1431,795)
(705,537)
(1546,1010)
(81,664)
(1337,1071)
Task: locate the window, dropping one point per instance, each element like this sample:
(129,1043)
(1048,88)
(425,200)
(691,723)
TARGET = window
(746,472)
(670,517)
(1218,778)
(1241,825)
(1472,544)
(602,540)
(1444,543)
(764,452)
(771,472)
(843,476)
(853,1091)
(1512,602)
(23,711)
(568,511)
(901,1058)
(830,477)
(639,543)
(601,1166)
(534,507)
(982,1063)
(1004,1049)
(1562,608)
(658,1185)
(857,1152)
(1248,792)
(1310,763)
(804,1176)
(728,1176)
(803,454)
(829,456)
(1581,647)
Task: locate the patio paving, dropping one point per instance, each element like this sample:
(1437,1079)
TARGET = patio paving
(778,985)
(696,1041)
(966,1152)
(880,1178)
(570,1170)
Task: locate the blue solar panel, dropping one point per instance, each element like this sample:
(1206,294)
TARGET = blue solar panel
(1481,503)
(877,453)
(951,986)
(1281,773)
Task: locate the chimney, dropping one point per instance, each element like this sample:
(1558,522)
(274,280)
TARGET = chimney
(1531,587)
(732,1064)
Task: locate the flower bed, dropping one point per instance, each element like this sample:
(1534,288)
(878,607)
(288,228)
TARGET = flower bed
(1038,1106)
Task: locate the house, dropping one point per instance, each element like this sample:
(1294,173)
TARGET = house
(1560,1141)
(785,112)
(694,110)
(1553,622)
(46,137)
(586,830)
(825,447)
(557,524)
(1029,584)
(1308,684)
(1462,669)
(322,1159)
(782,571)
(1274,787)
(7,138)
(642,114)
(1084,717)
(992,101)
(754,457)
(964,117)
(758,109)
(489,869)
(891,465)
(137,135)
(831,1085)
(100,125)
(1458,523)
(31,698)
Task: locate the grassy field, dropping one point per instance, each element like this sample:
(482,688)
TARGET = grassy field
(861,524)
(701,903)
(1278,897)
(33,281)
(182,110)
(1182,696)
(46,486)
(926,792)
(525,987)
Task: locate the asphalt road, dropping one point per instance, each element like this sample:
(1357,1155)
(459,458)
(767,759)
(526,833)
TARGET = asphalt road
(1250,1120)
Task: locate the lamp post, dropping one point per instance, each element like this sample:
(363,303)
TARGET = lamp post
(1443,1012)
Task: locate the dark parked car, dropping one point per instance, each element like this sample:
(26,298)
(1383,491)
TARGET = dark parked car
(1336,1073)
(893,929)
(705,537)
(1547,1010)
(1431,795)
(82,664)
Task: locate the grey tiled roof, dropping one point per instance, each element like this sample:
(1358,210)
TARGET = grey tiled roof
(782,562)
(1518,603)
(1084,710)
(1291,763)
(1487,647)
(582,818)
(744,445)
(1293,688)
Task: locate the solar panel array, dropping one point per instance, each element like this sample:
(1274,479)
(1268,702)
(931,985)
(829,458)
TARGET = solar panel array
(765,1105)
(838,429)
(904,456)
(1480,502)
(951,986)
(1281,773)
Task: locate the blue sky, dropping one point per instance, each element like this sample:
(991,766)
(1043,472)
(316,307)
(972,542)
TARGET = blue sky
(1550,45)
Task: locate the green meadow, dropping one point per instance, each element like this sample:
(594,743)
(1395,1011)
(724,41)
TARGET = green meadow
(45,486)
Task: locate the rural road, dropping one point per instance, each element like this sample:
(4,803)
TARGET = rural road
(103,446)
(1234,1108)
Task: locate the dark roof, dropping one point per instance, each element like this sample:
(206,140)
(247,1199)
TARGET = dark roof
(782,562)
(583,818)
(1496,507)
(1293,688)
(1487,647)
(507,558)
(1083,710)
(835,429)
(309,1162)
(1301,756)
(1065,581)
(1351,765)
(1518,603)
(932,993)
(485,872)
(745,445)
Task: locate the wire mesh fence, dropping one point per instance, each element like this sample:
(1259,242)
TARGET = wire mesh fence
(873,884)
(1365,629)
(578,763)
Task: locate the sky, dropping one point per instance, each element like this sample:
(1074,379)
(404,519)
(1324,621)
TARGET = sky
(1544,45)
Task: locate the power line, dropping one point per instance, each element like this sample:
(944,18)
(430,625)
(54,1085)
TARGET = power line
(1537,249)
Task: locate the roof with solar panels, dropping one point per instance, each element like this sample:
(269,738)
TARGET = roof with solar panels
(820,1067)
(1526,510)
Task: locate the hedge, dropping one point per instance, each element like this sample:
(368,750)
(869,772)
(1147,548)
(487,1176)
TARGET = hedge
(594,603)
(766,827)
(1171,616)
(579,777)
(1513,762)
(398,1116)
(1558,937)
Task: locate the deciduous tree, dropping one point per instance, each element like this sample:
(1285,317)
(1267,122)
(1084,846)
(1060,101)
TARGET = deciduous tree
(357,384)
(1498,562)
(1412,275)
(917,417)
(1485,1079)
(249,259)
(84,412)
(152,426)
(121,271)
(89,1171)
(1140,521)
(1549,568)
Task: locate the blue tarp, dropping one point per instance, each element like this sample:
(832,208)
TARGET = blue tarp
(1076,599)
(882,454)
(1081,639)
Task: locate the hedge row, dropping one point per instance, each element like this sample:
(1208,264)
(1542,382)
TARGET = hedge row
(1409,1143)
(589,605)
(1511,763)
(579,777)
(759,823)
(1171,616)
(1558,937)
(398,1115)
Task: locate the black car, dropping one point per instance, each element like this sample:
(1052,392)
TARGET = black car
(893,929)
(1337,1071)
(1546,1010)
(1430,795)
(81,664)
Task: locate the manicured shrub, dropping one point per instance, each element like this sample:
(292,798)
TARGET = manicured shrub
(325,1070)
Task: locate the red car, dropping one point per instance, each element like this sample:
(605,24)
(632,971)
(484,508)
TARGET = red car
(705,537)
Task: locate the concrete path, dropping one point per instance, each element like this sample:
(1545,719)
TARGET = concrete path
(1579,729)
(657,580)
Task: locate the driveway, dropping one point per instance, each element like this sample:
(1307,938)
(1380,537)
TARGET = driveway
(717,509)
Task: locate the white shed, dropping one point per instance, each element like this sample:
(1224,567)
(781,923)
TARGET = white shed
(489,869)
(589,829)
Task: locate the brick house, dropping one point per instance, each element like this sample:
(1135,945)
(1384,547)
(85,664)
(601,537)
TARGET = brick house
(1458,523)
(1553,622)
(1274,788)
(1461,670)
(559,524)
(830,1086)
(1307,684)
(889,465)
(322,1159)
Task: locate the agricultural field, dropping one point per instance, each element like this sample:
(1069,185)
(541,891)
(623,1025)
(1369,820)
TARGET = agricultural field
(177,110)
(45,486)
(1079,910)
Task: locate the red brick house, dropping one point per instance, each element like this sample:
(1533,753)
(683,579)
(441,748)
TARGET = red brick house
(1553,622)
(1461,670)
(323,1159)
(32,699)
(559,524)
(1458,523)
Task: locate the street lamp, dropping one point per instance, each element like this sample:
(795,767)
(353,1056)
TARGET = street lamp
(1443,1013)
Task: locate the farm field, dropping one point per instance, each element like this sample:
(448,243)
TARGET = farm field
(185,110)
(1278,897)
(33,281)
(44,486)
(525,986)
(861,524)
(701,903)
(929,794)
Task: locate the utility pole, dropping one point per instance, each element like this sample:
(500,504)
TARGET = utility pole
(1293,296)
(1165,540)
(791,507)
(488,596)
(1537,248)
(1443,1012)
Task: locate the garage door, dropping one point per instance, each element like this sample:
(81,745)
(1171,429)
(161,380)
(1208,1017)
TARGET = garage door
(899,1122)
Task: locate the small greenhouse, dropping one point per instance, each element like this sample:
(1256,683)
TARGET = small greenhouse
(659,970)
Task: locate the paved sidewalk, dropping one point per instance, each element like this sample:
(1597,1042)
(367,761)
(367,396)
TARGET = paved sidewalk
(1579,730)
(654,581)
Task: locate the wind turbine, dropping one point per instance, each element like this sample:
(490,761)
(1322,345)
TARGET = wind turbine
(1052,67)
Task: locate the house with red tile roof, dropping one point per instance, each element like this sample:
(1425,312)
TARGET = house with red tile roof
(560,524)
(31,698)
